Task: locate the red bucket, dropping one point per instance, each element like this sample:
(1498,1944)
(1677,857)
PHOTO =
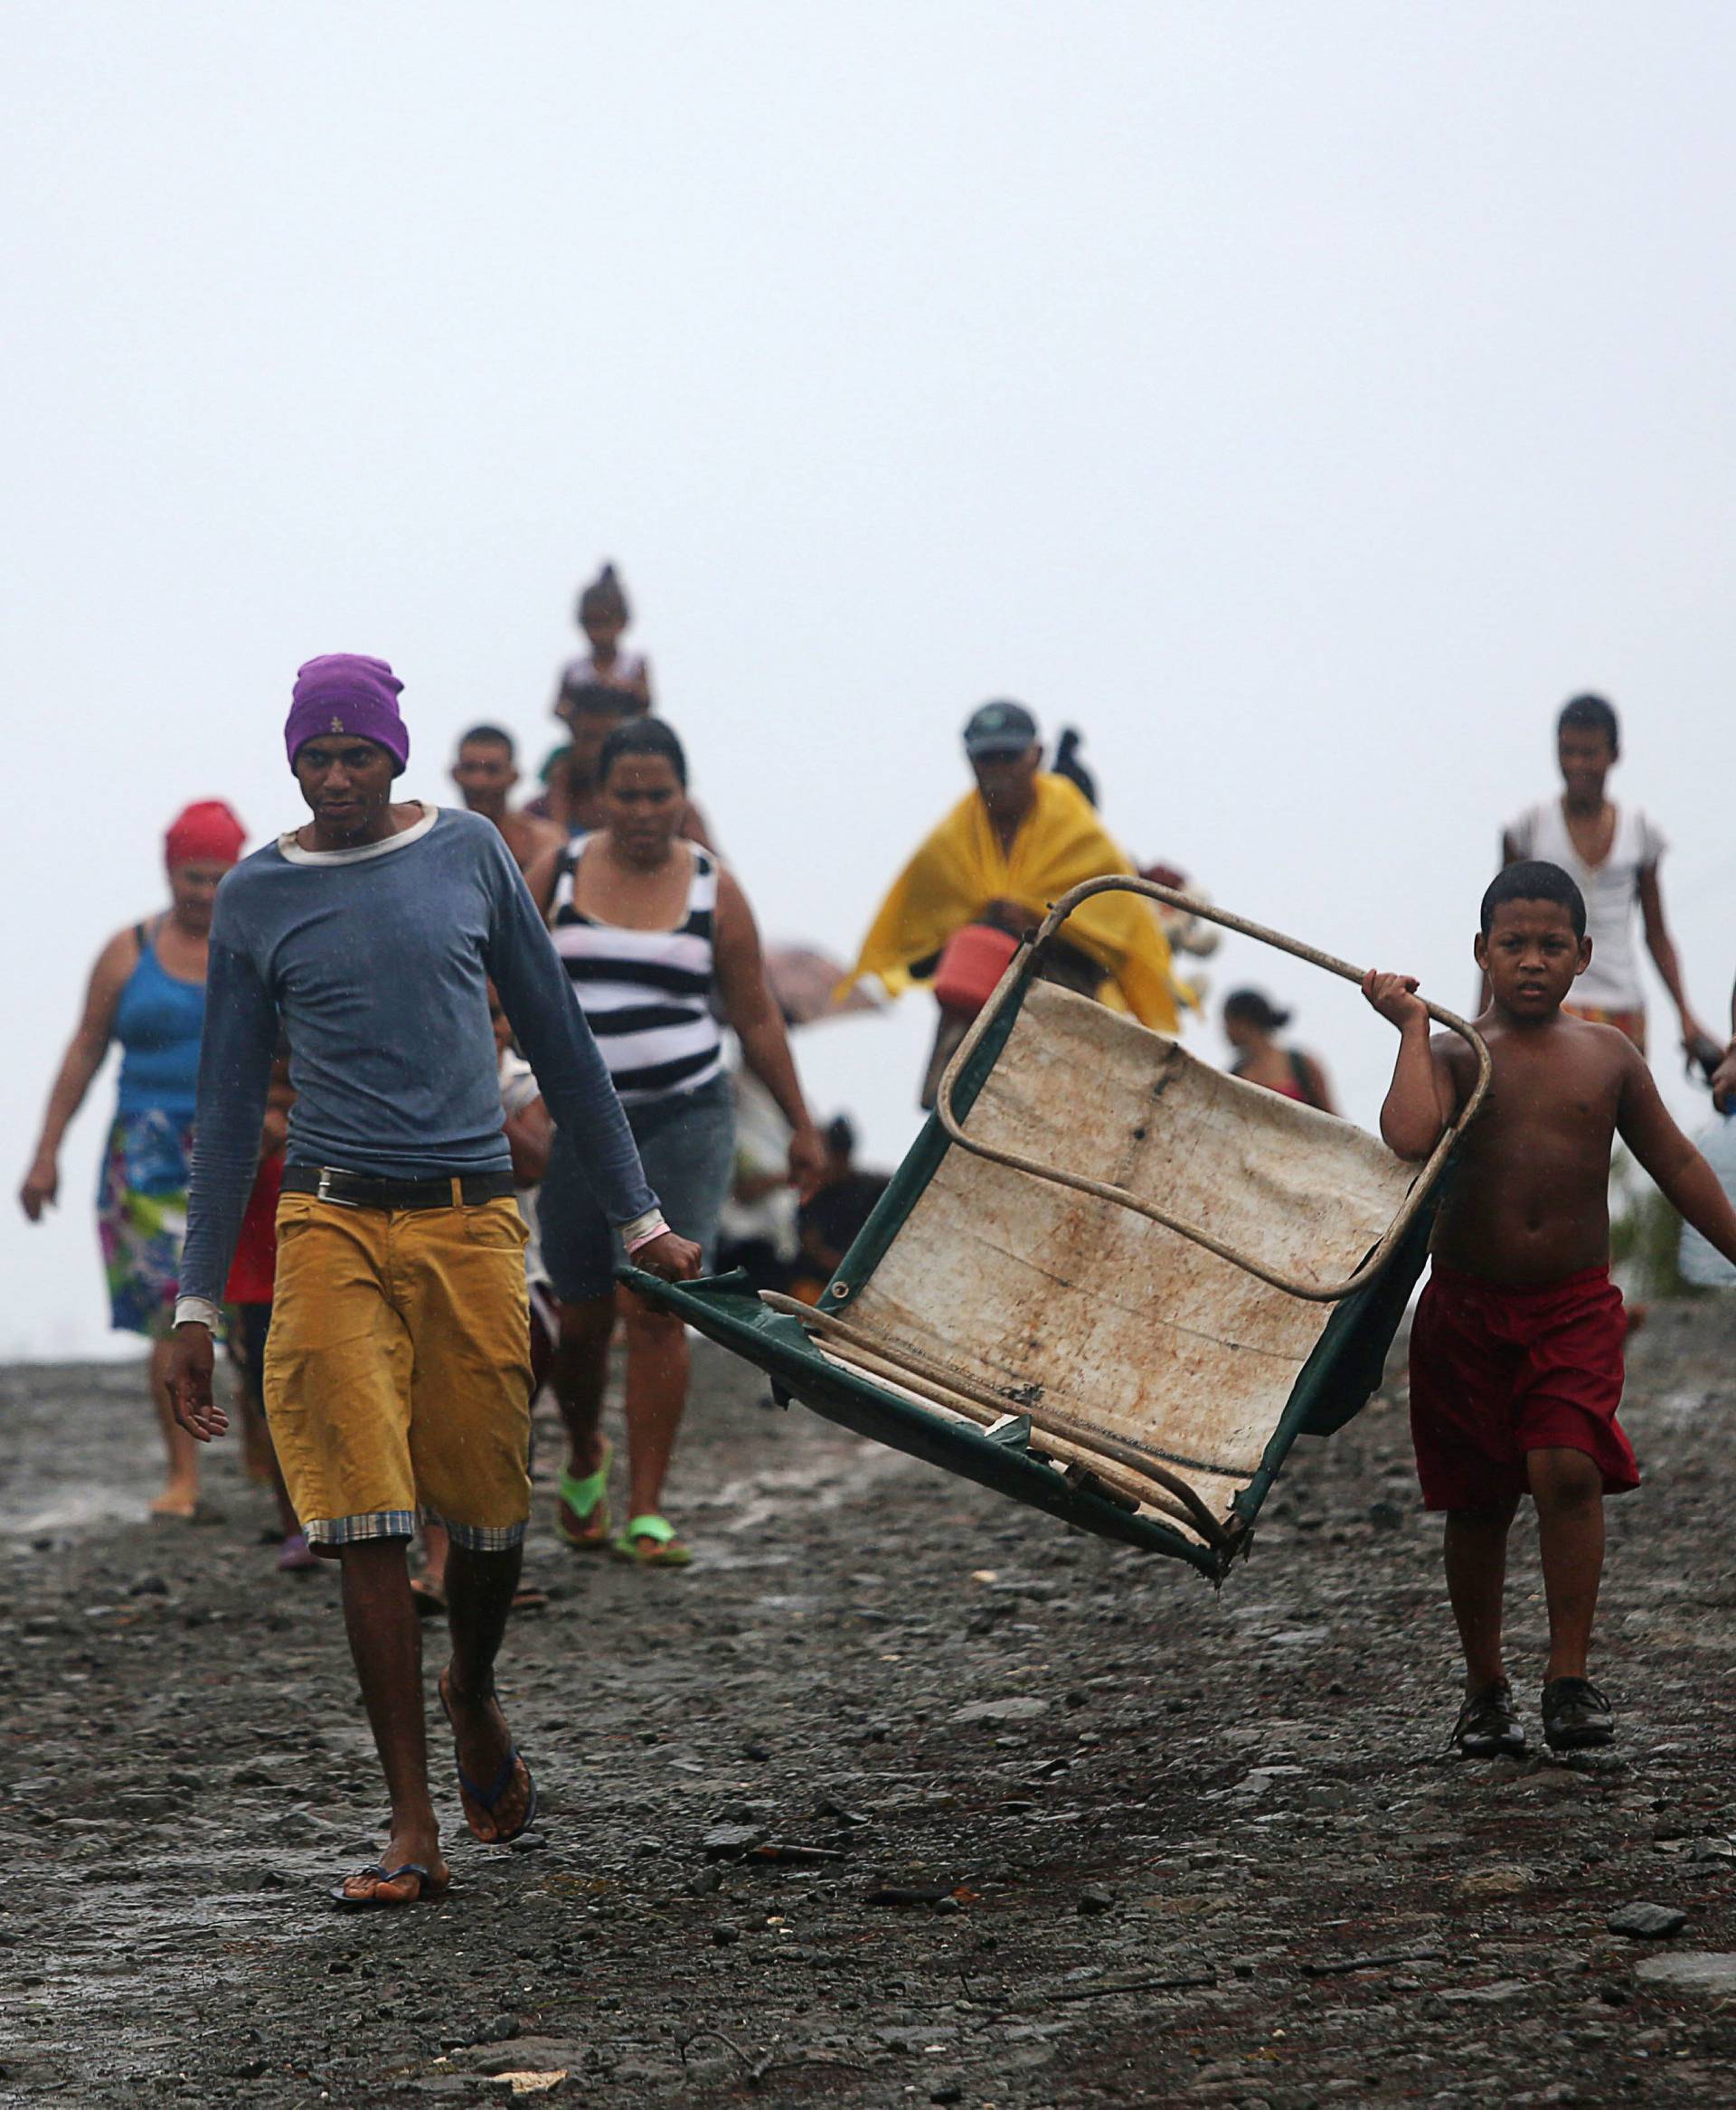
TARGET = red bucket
(973,961)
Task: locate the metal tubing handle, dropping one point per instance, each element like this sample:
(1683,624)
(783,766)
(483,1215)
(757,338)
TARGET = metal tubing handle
(1312,1292)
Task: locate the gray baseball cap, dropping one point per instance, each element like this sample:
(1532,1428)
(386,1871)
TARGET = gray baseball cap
(999,729)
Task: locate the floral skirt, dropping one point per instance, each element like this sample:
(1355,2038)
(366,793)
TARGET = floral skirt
(142,1218)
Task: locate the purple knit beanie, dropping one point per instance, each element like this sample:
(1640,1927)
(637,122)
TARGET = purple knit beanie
(347,692)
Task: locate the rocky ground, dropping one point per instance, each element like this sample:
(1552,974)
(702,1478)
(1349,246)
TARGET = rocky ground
(1060,1827)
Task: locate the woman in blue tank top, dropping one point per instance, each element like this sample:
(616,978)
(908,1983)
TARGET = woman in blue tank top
(147,991)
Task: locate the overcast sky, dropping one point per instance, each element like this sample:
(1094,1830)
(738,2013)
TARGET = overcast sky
(1304,400)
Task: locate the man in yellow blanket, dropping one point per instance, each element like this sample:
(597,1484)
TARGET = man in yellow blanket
(1008,850)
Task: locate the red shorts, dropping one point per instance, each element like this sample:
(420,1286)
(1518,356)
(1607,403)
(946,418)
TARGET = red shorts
(1496,1373)
(255,1266)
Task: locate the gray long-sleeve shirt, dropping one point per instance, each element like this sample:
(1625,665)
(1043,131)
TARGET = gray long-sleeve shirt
(376,962)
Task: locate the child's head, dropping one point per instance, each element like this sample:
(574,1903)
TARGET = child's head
(603,612)
(1249,1016)
(1587,741)
(591,711)
(1532,945)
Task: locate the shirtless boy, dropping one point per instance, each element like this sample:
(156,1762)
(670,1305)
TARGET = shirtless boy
(1516,1349)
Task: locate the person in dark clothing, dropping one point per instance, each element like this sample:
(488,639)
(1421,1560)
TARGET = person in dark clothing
(1251,1024)
(828,1224)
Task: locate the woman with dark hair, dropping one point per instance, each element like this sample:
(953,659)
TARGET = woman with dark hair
(1251,1024)
(658,939)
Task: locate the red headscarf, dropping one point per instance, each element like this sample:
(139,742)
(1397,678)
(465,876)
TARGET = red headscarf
(205,832)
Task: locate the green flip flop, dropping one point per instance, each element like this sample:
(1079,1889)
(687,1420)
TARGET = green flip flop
(665,1549)
(588,1501)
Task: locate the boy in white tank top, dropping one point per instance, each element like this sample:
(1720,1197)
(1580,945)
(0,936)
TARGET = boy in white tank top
(1612,854)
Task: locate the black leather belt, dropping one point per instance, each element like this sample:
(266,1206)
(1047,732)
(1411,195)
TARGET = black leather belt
(361,1191)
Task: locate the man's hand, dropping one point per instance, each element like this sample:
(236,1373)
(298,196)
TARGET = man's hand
(41,1186)
(1395,997)
(190,1362)
(808,1161)
(676,1259)
(1723,1081)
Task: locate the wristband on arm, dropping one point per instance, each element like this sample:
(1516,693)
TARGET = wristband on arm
(642,1230)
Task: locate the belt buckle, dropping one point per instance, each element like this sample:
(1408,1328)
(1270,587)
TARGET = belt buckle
(322,1192)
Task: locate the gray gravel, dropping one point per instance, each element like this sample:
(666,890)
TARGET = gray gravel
(903,1794)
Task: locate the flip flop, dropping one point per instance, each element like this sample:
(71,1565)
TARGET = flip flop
(665,1551)
(294,1555)
(588,1499)
(427,1892)
(488,1800)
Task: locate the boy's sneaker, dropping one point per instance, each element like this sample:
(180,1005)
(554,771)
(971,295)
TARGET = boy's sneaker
(1487,1727)
(1576,1715)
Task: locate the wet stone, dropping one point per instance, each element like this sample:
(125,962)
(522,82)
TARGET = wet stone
(1690,1971)
(1647,1922)
(1024,1709)
(730,1842)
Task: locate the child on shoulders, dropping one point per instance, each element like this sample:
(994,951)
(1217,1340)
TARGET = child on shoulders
(1516,1347)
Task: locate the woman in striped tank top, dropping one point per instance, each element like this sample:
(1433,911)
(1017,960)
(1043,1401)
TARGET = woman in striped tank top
(652,928)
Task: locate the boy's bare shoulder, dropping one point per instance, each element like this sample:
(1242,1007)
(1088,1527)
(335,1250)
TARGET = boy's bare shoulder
(1616,1054)
(1579,1052)
(1583,1040)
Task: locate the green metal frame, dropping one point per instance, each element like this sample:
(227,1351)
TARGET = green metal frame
(1335,1383)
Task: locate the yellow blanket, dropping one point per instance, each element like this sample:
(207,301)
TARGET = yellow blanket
(962,868)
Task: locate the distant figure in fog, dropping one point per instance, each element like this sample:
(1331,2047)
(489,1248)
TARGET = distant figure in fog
(1612,852)
(1068,764)
(604,616)
(147,990)
(484,771)
(1251,1024)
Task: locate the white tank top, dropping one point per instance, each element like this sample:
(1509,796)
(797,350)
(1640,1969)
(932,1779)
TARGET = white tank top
(1611,891)
(646,995)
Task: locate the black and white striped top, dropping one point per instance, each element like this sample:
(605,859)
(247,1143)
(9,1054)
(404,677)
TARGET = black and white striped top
(646,995)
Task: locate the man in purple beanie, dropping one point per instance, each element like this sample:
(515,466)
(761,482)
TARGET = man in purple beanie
(397,1378)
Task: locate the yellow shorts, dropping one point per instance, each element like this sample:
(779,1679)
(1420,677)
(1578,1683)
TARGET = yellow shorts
(397,1370)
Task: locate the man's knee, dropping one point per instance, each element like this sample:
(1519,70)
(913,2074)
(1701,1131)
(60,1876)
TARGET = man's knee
(1562,1480)
(582,1322)
(648,1325)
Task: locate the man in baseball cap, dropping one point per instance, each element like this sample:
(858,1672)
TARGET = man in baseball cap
(1015,843)
(1000,729)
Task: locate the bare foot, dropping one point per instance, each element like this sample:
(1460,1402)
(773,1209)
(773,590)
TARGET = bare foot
(485,1748)
(178,1501)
